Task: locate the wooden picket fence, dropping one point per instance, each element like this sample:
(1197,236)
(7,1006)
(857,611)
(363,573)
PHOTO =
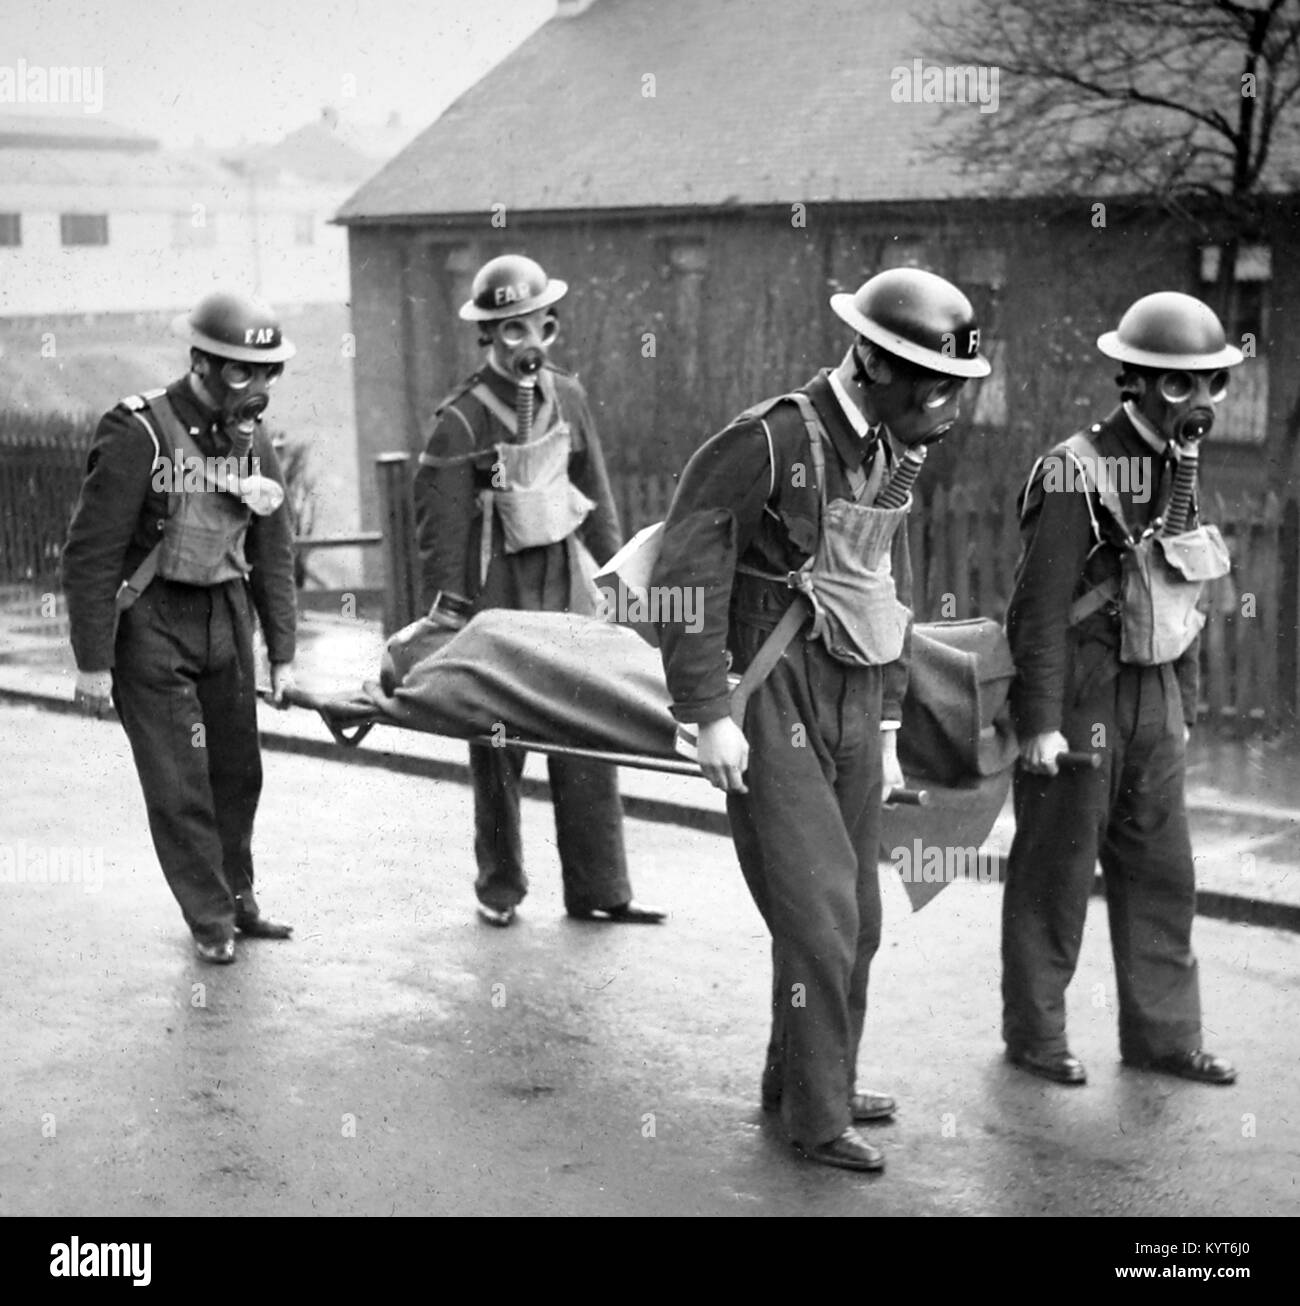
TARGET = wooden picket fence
(964,540)
(965,544)
(642,498)
(42,465)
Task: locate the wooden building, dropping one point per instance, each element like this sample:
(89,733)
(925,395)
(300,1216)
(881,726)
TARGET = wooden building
(705,176)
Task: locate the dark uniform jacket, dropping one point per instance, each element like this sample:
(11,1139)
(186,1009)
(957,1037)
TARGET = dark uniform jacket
(119,518)
(457,465)
(722,515)
(1057,665)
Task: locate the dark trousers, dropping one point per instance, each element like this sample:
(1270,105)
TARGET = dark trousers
(588,830)
(184,688)
(807,836)
(1129,813)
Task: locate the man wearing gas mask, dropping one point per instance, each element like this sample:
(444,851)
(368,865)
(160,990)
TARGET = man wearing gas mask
(514,510)
(180,529)
(1103,626)
(792,522)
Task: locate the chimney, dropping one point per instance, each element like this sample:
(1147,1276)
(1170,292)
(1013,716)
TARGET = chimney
(572,8)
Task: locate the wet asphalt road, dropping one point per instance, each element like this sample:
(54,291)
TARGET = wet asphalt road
(400,1057)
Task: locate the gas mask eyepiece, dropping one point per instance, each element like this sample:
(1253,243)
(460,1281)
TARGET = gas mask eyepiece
(935,392)
(236,375)
(526,342)
(516,331)
(1178,386)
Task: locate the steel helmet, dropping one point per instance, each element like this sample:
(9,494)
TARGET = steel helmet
(917,316)
(510,285)
(1169,330)
(235,326)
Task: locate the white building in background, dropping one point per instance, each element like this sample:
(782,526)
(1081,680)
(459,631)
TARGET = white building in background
(98,219)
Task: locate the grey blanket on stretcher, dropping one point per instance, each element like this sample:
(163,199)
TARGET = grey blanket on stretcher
(548,676)
(556,678)
(564,679)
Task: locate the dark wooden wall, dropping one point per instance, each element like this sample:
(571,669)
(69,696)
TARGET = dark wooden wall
(675,323)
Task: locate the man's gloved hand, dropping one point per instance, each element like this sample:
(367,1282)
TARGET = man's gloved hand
(93,693)
(282,678)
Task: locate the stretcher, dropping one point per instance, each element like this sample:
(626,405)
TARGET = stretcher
(566,685)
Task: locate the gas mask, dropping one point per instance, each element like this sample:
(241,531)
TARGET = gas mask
(241,394)
(521,345)
(239,391)
(1202,390)
(930,394)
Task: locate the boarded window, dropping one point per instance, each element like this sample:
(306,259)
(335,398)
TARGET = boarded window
(1243,415)
(83,228)
(687,261)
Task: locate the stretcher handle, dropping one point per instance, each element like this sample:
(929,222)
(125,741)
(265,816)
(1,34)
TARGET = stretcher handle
(906,798)
(1079,759)
(348,736)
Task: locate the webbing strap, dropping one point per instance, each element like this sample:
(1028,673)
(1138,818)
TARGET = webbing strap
(1079,448)
(139,580)
(769,654)
(797,614)
(1097,597)
(506,416)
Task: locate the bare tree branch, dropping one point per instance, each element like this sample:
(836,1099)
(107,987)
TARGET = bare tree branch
(1188,102)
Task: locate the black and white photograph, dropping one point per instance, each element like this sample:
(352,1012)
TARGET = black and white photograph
(650,608)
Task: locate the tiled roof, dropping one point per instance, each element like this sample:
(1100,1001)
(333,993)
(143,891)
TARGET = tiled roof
(755,102)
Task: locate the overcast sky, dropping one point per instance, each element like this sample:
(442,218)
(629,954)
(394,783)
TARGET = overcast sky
(226,70)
